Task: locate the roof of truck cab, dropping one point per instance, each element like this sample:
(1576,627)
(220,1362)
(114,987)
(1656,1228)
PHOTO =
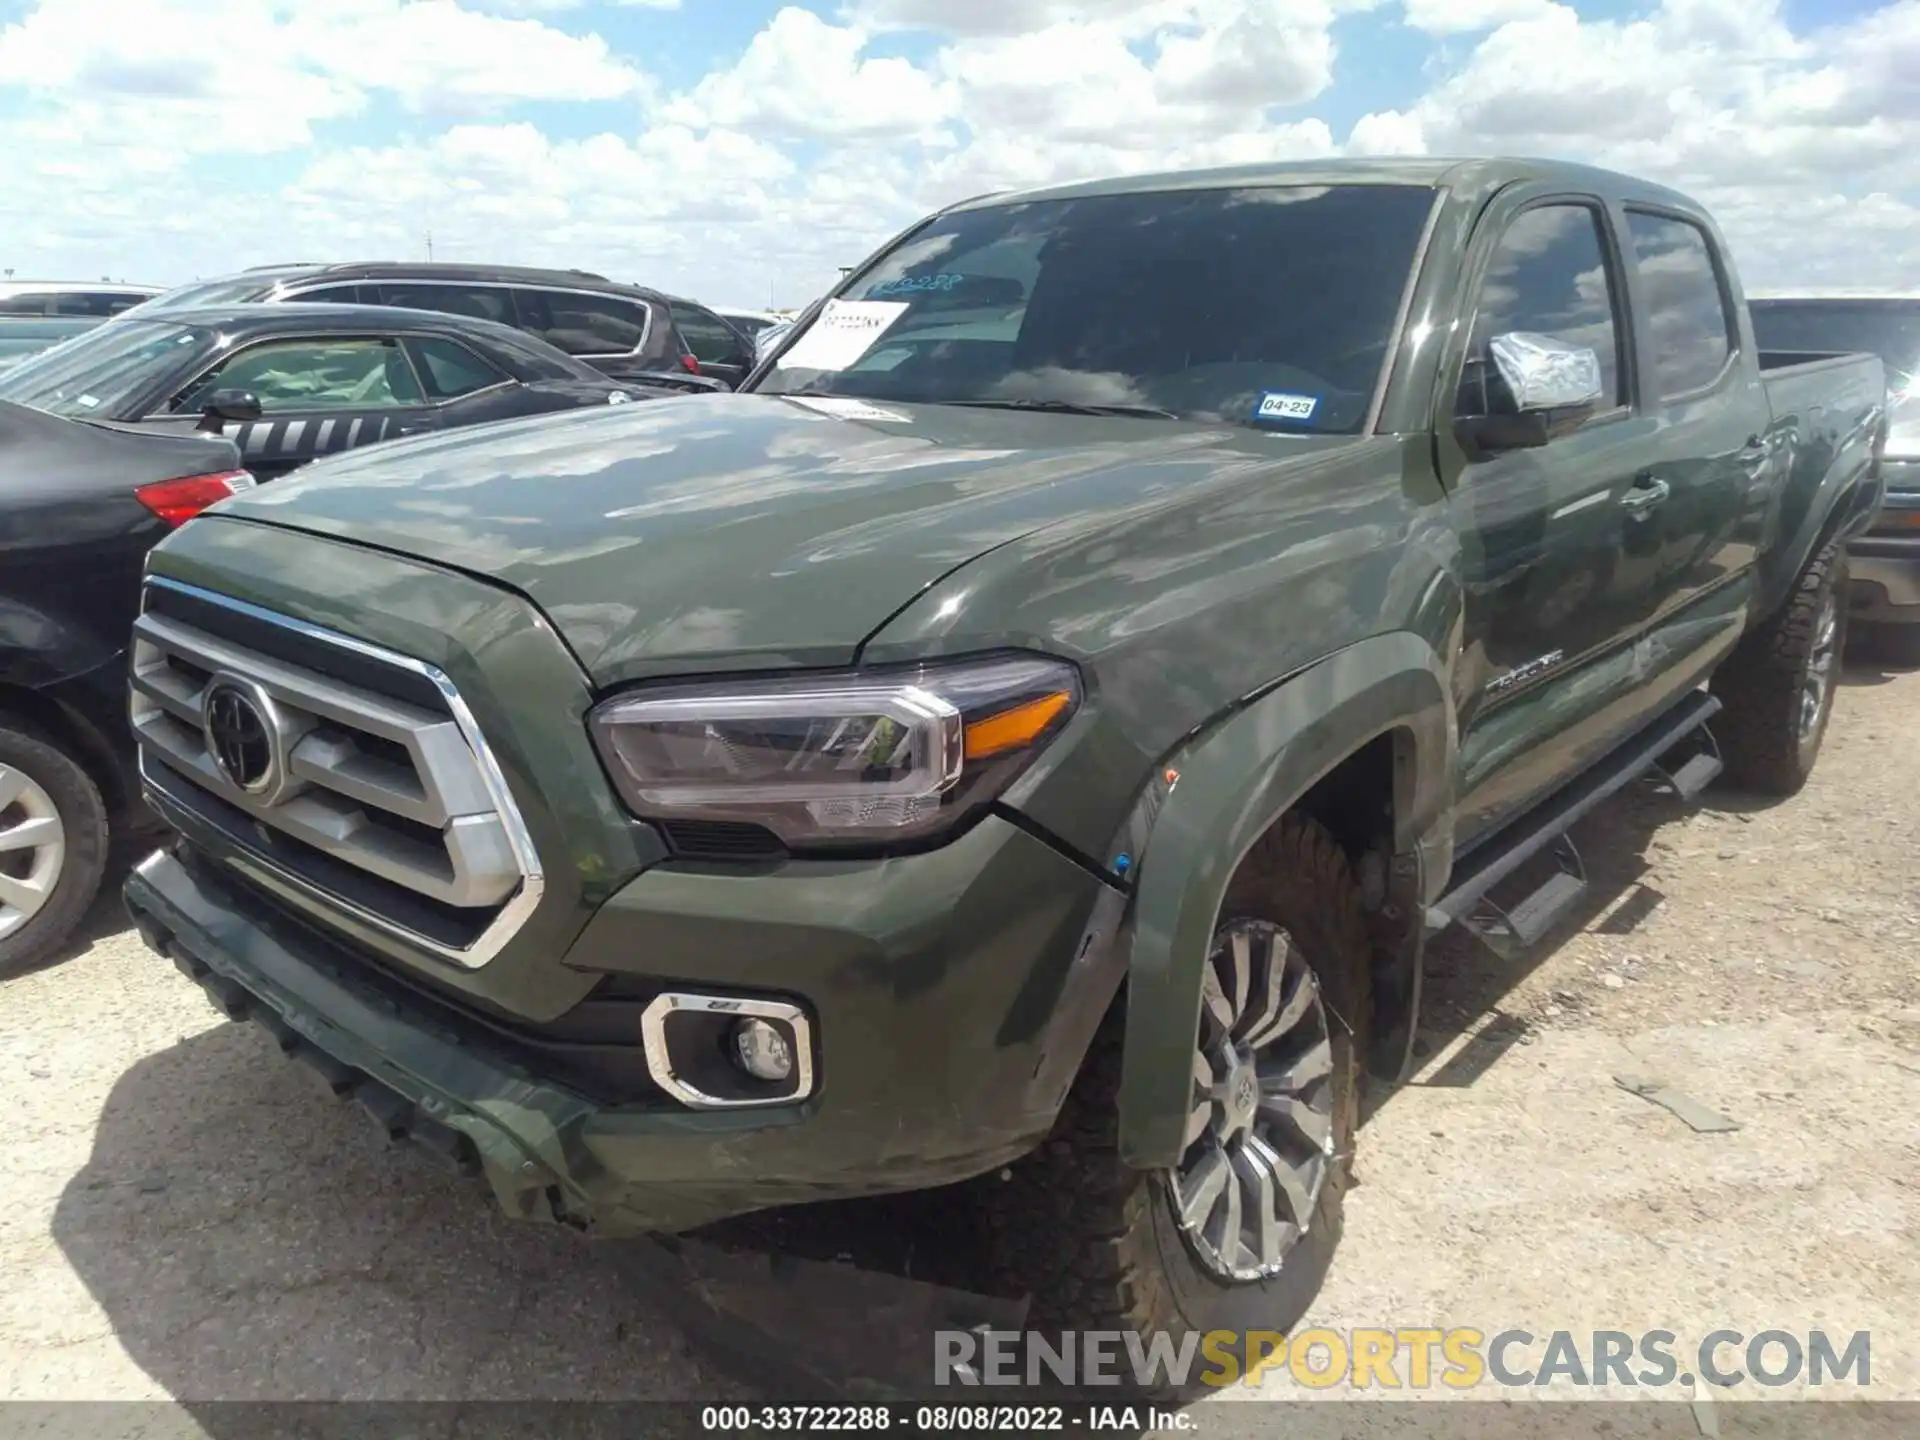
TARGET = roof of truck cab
(1481,175)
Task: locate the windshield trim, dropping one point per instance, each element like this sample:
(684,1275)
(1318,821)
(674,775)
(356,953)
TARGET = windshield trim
(765,364)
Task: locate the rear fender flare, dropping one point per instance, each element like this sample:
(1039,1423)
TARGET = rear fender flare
(1843,502)
(1213,798)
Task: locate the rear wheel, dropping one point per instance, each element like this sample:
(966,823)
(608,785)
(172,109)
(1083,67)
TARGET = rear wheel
(1239,1234)
(1777,687)
(53,847)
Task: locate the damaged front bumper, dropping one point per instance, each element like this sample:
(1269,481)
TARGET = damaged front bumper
(551,1152)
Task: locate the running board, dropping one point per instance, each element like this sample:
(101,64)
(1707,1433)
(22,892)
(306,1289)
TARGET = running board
(1544,828)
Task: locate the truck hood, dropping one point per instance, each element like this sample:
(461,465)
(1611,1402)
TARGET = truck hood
(741,531)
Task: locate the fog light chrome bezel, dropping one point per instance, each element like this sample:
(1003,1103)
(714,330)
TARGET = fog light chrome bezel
(653,1032)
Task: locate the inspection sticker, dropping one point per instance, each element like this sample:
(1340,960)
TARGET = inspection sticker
(1279,405)
(843,332)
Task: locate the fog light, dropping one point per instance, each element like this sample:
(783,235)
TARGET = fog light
(762,1050)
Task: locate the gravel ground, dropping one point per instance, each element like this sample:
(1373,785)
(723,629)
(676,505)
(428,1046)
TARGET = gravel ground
(183,1215)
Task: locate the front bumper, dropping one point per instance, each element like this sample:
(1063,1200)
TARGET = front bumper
(1884,564)
(953,995)
(1884,583)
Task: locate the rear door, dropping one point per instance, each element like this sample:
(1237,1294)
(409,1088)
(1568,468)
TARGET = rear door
(1540,529)
(319,394)
(1703,491)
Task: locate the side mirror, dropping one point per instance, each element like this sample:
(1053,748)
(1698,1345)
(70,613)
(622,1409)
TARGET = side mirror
(224,405)
(1555,387)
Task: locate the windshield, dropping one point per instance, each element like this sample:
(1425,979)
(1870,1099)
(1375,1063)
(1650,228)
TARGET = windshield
(1271,306)
(1887,328)
(20,338)
(237,290)
(98,372)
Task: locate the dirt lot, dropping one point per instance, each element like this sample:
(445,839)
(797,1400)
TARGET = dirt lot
(181,1215)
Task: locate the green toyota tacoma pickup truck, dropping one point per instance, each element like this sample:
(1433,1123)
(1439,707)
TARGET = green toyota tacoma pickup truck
(1029,732)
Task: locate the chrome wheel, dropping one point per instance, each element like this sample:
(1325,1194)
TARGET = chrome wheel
(33,848)
(1820,662)
(1259,1142)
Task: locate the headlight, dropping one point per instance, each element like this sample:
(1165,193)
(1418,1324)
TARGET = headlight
(858,759)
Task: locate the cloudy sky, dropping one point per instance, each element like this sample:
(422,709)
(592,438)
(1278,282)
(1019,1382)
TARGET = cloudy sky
(740,150)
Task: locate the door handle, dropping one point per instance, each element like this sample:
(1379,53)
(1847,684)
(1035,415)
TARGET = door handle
(1647,492)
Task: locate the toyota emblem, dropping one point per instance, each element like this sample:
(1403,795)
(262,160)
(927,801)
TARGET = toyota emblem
(240,735)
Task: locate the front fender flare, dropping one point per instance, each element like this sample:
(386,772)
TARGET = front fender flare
(1216,796)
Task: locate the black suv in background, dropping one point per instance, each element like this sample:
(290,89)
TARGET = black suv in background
(625,331)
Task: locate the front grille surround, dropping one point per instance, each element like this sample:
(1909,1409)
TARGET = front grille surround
(408,794)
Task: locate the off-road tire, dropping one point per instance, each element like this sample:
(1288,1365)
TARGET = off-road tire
(1094,1242)
(1760,684)
(83,817)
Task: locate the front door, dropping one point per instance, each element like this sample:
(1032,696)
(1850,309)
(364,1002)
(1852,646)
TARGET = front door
(1540,529)
(318,395)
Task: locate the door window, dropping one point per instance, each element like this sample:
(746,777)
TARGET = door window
(583,324)
(450,370)
(709,337)
(334,295)
(1687,320)
(317,373)
(1548,276)
(477,302)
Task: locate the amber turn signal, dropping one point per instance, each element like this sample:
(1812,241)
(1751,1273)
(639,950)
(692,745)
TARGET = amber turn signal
(1011,729)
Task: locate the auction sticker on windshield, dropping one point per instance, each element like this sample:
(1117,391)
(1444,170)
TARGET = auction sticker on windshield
(1278,405)
(844,331)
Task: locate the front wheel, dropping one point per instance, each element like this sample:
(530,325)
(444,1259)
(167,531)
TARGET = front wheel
(53,847)
(1239,1234)
(1777,687)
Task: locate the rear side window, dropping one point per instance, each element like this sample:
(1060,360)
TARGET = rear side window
(450,370)
(98,304)
(712,341)
(1686,323)
(321,373)
(583,324)
(1549,276)
(477,302)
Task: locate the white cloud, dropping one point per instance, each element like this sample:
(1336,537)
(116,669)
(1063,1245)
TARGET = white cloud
(835,125)
(1457,17)
(1006,17)
(804,77)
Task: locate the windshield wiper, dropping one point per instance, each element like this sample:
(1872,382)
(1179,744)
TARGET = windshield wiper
(1068,407)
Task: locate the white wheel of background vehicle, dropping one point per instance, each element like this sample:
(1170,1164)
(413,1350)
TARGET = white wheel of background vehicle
(53,847)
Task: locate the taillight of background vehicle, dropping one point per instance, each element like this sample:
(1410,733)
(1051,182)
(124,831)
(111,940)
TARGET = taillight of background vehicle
(178,501)
(689,364)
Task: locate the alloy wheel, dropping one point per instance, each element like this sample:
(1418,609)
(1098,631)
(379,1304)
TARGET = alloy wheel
(1820,662)
(1259,1138)
(33,848)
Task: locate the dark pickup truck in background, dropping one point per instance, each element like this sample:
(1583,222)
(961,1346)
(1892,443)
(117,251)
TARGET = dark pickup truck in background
(1023,732)
(1884,562)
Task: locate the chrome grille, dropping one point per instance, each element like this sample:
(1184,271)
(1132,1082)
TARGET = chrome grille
(324,772)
